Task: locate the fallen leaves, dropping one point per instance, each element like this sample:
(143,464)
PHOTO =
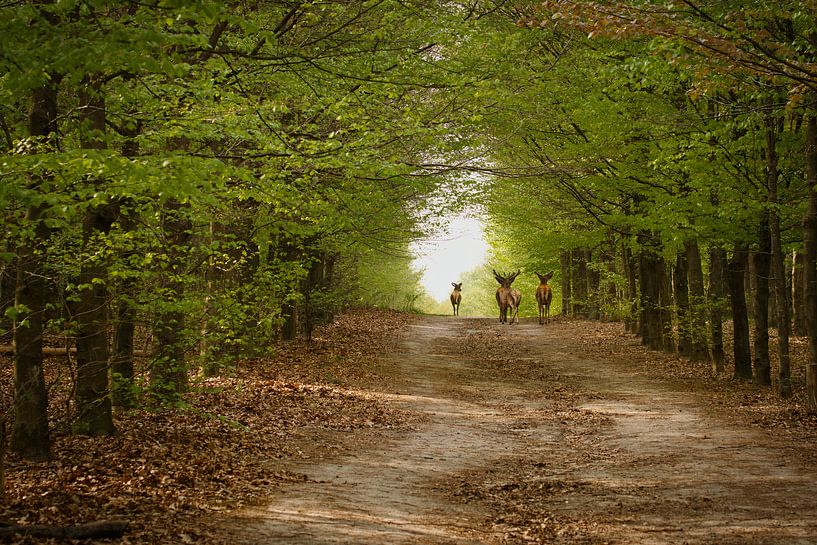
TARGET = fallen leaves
(169,471)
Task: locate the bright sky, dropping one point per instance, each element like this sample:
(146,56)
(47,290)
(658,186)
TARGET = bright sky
(460,249)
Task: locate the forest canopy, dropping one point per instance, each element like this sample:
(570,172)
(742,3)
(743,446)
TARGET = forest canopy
(208,177)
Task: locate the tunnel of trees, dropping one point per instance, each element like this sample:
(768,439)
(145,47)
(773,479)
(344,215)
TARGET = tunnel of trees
(185,182)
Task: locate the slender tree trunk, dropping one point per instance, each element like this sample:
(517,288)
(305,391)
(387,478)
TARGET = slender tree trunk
(650,267)
(798,294)
(92,394)
(697,303)
(681,287)
(810,260)
(30,433)
(93,400)
(736,274)
(612,298)
(169,372)
(778,265)
(761,259)
(580,284)
(122,365)
(8,283)
(566,281)
(593,283)
(717,295)
(665,308)
(630,271)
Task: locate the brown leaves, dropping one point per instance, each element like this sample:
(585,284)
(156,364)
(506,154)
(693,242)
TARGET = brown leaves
(169,471)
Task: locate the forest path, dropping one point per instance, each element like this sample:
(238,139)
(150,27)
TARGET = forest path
(529,434)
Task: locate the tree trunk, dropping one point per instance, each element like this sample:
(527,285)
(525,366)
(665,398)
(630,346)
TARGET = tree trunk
(736,276)
(650,266)
(93,402)
(630,271)
(593,282)
(169,372)
(717,269)
(761,260)
(681,287)
(810,258)
(665,307)
(778,266)
(30,434)
(92,393)
(122,371)
(580,284)
(566,281)
(797,294)
(697,303)
(8,282)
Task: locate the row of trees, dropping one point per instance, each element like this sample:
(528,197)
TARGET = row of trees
(667,149)
(197,179)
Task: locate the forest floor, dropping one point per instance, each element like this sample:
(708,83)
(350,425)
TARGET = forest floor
(390,429)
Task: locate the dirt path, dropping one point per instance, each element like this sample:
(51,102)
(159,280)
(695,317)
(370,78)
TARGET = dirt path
(528,436)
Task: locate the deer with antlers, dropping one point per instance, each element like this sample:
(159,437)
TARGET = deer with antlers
(544,295)
(507,297)
(456,297)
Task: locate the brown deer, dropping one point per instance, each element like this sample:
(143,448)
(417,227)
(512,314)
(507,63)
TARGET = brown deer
(505,296)
(456,297)
(516,299)
(544,296)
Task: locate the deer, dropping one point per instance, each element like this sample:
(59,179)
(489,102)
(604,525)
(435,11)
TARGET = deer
(506,297)
(456,297)
(544,295)
(516,299)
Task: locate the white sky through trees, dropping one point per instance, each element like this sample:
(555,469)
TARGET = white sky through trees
(459,249)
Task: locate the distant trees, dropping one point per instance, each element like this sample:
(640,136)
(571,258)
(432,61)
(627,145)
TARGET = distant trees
(197,179)
(666,144)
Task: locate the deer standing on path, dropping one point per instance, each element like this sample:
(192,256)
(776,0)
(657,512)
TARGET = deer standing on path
(516,299)
(543,296)
(505,296)
(456,297)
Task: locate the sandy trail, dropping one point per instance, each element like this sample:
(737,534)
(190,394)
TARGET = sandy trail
(605,455)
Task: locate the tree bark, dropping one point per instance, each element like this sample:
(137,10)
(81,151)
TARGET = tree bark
(680,286)
(717,295)
(30,433)
(798,293)
(580,284)
(650,267)
(778,266)
(665,307)
(630,270)
(169,371)
(810,258)
(593,283)
(8,283)
(92,394)
(566,281)
(103,529)
(697,303)
(122,369)
(761,260)
(736,276)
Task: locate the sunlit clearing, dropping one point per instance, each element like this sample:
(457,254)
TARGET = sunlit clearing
(459,249)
